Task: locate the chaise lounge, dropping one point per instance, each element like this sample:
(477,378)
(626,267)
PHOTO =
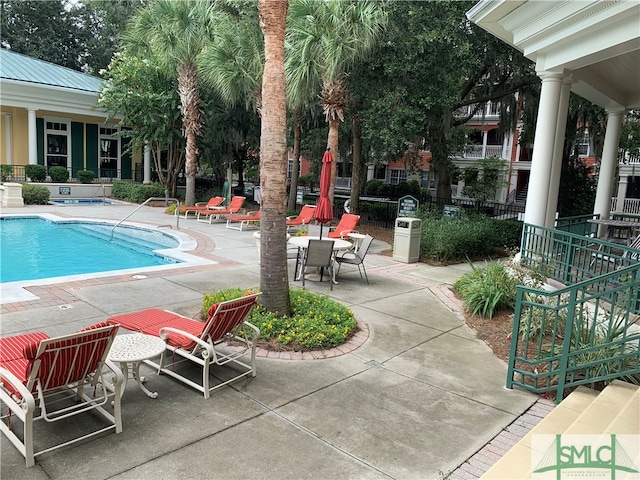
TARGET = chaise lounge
(238,222)
(201,206)
(202,343)
(44,378)
(208,215)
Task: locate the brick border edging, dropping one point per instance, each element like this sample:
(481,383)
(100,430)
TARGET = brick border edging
(356,340)
(480,462)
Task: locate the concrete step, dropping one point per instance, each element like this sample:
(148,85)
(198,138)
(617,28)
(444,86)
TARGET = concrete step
(614,410)
(597,417)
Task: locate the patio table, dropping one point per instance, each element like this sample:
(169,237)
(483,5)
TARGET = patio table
(303,243)
(133,349)
(620,225)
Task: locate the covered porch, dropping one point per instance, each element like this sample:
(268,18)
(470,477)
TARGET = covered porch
(591,48)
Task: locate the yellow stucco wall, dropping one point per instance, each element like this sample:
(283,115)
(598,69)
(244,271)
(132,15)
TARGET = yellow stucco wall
(20,136)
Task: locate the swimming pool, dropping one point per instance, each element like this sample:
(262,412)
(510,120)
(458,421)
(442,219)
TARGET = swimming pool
(44,248)
(84,201)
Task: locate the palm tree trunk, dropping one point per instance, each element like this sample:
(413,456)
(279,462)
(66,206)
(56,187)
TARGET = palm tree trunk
(274,281)
(297,137)
(190,105)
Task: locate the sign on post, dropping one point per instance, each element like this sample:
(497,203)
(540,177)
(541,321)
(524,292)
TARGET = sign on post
(408,206)
(451,211)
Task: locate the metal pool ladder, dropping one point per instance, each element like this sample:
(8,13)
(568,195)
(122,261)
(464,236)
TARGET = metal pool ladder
(166,199)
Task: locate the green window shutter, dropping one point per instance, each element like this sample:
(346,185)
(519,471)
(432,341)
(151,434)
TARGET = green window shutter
(40,139)
(125,159)
(92,147)
(77,147)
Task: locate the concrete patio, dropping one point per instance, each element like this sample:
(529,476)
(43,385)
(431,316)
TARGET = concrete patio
(415,400)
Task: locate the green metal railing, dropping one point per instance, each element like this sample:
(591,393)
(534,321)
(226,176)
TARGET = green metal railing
(587,333)
(570,258)
(579,224)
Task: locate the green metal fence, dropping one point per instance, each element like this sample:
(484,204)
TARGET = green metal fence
(570,258)
(585,333)
(579,224)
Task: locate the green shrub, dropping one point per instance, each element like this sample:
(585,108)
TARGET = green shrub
(136,192)
(467,237)
(36,173)
(317,321)
(59,174)
(487,290)
(35,194)
(85,176)
(5,171)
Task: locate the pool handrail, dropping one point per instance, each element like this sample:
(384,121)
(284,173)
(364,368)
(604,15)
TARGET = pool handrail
(166,199)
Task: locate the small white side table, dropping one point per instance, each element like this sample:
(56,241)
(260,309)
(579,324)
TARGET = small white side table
(133,349)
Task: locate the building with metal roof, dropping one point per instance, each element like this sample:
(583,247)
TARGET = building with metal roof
(49,117)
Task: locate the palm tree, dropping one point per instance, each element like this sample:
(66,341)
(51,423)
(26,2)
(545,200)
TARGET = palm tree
(326,39)
(232,64)
(274,281)
(174,33)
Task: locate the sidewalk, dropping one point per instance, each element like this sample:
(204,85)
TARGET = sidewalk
(415,398)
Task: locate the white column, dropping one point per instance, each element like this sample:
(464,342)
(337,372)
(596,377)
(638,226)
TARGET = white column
(8,138)
(370,171)
(485,134)
(608,164)
(544,141)
(33,137)
(146,167)
(556,167)
(622,193)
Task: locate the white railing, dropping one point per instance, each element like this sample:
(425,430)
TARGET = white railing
(631,205)
(477,151)
(627,158)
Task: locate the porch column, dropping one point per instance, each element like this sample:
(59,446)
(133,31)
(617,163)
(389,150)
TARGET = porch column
(622,193)
(608,165)
(485,134)
(544,141)
(8,138)
(556,168)
(146,176)
(33,137)
(370,171)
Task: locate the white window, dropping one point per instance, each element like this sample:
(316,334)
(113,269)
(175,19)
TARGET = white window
(583,145)
(109,152)
(290,169)
(396,176)
(57,137)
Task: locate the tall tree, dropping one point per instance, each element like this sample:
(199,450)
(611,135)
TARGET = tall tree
(431,62)
(145,100)
(232,64)
(100,25)
(174,33)
(274,282)
(327,38)
(43,30)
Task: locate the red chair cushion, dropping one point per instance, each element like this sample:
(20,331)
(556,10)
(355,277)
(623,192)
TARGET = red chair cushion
(151,320)
(12,348)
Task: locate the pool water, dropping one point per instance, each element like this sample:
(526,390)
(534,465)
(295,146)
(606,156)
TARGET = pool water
(83,201)
(35,248)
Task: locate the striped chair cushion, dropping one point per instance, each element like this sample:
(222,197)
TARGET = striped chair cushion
(71,359)
(12,348)
(20,368)
(151,320)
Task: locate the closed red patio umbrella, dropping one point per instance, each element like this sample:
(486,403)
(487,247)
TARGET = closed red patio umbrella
(324,209)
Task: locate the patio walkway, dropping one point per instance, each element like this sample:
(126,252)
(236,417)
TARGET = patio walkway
(418,396)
